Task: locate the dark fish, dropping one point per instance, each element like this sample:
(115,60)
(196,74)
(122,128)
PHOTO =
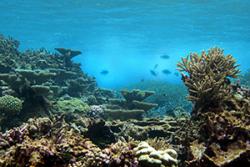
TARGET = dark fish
(176,74)
(152,72)
(142,80)
(166,71)
(156,65)
(165,56)
(104,72)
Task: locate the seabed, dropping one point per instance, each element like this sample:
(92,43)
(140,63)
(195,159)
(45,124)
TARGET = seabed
(54,115)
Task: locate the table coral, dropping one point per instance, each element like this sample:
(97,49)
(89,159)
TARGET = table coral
(131,107)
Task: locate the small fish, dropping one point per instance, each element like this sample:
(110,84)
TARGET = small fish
(154,73)
(165,56)
(104,72)
(176,74)
(156,65)
(142,80)
(166,71)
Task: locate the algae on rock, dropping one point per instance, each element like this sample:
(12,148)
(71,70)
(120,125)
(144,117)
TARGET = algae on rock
(72,105)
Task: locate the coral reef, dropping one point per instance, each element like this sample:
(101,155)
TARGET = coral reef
(39,78)
(119,154)
(53,114)
(43,142)
(207,78)
(168,96)
(222,109)
(72,105)
(53,142)
(149,157)
(68,54)
(244,78)
(132,107)
(10,105)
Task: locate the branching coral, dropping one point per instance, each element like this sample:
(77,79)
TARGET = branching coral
(207,77)
(118,154)
(224,131)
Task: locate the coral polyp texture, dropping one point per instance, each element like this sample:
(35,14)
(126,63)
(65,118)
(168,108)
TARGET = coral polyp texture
(207,77)
(149,157)
(10,105)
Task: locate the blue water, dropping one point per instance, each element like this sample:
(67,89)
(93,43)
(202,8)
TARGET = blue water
(127,37)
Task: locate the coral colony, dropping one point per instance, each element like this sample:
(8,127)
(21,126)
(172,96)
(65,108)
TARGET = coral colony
(53,114)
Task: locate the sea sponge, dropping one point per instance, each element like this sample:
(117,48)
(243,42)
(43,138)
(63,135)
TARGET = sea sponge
(10,104)
(207,77)
(149,157)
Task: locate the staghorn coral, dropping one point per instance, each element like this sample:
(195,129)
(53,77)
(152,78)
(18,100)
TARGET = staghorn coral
(207,77)
(221,111)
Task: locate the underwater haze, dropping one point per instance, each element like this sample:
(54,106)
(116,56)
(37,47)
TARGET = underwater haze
(122,40)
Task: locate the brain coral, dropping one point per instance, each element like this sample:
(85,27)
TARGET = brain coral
(10,104)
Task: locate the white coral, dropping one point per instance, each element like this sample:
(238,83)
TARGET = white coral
(150,157)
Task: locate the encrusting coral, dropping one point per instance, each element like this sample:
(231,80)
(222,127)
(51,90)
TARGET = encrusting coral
(72,105)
